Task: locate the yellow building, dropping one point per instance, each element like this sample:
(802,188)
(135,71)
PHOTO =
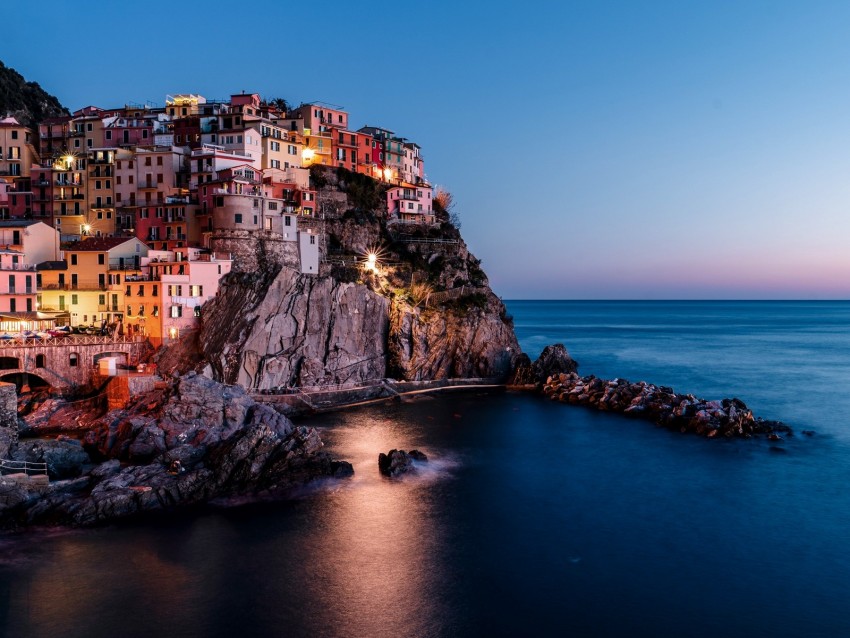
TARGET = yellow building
(90,282)
(17,153)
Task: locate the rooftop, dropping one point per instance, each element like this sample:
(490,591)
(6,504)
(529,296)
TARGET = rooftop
(98,244)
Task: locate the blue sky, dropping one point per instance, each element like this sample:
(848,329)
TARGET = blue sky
(595,149)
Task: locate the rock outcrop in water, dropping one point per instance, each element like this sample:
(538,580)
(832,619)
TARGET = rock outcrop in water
(553,360)
(190,442)
(663,406)
(398,462)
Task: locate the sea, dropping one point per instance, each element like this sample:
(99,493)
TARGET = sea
(531,518)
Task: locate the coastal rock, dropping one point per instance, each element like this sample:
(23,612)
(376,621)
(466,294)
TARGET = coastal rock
(662,405)
(65,458)
(452,342)
(201,441)
(398,462)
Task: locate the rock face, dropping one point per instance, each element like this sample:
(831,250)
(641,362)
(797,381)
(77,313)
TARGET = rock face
(663,406)
(398,462)
(191,442)
(446,343)
(296,330)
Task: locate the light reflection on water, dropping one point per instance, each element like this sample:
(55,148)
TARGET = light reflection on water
(380,555)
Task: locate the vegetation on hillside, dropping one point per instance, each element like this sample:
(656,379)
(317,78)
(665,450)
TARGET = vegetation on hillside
(26,101)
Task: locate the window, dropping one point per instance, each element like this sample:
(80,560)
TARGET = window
(101,259)
(159,161)
(39,361)
(197,291)
(73,260)
(176,312)
(101,300)
(141,291)
(238,217)
(129,292)
(155,311)
(312,239)
(74,300)
(109,137)
(73,359)
(155,291)
(287,221)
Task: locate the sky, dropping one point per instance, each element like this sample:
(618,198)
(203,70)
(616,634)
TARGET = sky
(595,150)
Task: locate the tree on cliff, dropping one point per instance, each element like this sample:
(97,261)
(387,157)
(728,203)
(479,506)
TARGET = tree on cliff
(26,101)
(444,207)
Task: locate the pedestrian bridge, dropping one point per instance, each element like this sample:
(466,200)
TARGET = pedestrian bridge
(64,363)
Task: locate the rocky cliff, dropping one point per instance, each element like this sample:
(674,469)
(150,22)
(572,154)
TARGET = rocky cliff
(183,444)
(425,312)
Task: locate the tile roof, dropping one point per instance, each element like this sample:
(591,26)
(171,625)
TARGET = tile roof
(98,244)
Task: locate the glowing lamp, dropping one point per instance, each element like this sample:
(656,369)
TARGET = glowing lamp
(173,332)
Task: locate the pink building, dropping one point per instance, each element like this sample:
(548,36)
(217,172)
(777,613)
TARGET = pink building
(17,282)
(411,204)
(166,300)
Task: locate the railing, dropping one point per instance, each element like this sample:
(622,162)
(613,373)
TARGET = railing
(452,294)
(16,291)
(30,468)
(17,267)
(75,339)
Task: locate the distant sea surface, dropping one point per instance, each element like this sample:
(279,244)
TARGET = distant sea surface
(532,518)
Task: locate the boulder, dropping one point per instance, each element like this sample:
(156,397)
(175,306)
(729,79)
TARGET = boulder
(395,463)
(553,360)
(65,458)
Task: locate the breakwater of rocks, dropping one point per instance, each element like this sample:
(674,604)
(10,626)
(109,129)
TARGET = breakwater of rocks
(663,406)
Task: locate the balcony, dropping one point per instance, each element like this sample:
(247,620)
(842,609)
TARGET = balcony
(16,291)
(26,267)
(107,308)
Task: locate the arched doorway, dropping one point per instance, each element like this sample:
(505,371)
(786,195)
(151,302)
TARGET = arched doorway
(25,380)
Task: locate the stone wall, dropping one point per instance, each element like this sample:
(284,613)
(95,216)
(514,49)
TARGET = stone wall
(123,387)
(256,250)
(8,406)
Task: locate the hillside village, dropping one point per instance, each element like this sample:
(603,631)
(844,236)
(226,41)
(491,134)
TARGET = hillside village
(123,220)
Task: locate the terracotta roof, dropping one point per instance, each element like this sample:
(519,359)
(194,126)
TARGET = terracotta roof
(98,244)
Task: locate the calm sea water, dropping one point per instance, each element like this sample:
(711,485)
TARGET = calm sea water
(532,519)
